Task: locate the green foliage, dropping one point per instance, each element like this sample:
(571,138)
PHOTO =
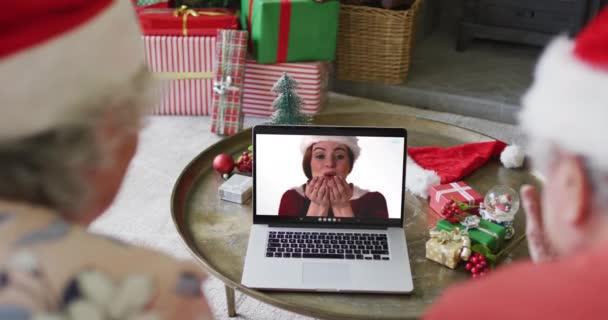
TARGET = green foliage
(486,252)
(288,103)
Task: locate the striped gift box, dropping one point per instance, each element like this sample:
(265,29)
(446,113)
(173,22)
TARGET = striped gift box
(185,66)
(258,97)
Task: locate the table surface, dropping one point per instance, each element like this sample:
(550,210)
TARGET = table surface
(217,232)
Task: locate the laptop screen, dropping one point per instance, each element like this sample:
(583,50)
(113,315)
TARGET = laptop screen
(329,175)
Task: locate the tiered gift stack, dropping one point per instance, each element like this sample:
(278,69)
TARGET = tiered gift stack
(466,232)
(209,68)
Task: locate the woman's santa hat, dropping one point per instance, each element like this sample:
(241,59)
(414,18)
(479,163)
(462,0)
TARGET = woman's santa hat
(56,55)
(567,103)
(351,142)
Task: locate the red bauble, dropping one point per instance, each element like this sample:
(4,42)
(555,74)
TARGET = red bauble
(223,163)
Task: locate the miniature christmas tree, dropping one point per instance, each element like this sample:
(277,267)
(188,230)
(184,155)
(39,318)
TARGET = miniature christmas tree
(288,103)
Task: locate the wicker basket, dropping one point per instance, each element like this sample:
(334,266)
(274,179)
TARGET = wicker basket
(375,44)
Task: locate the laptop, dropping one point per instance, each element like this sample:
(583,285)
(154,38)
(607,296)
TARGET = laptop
(328,208)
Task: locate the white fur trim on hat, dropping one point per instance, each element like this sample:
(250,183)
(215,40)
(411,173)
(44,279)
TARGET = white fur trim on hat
(568,103)
(349,141)
(44,85)
(418,180)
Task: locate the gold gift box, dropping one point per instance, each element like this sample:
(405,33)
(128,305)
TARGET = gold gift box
(448,254)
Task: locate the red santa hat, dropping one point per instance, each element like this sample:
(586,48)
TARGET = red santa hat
(55,55)
(567,103)
(431,166)
(351,142)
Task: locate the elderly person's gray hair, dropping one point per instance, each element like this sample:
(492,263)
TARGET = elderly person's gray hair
(543,154)
(48,168)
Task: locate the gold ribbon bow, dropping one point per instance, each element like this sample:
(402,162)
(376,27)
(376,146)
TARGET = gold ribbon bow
(454,235)
(444,236)
(184,12)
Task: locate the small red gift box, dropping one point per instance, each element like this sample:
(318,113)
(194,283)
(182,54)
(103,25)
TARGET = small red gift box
(459,191)
(186,22)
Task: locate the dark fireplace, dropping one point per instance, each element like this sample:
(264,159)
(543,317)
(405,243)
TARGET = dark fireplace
(531,22)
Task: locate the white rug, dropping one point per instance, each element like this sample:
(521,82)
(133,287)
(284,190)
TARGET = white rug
(141,213)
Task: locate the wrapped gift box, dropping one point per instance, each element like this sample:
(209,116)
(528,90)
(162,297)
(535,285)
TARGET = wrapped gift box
(487,233)
(448,247)
(312,78)
(226,113)
(236,189)
(447,254)
(186,22)
(291,30)
(185,66)
(459,191)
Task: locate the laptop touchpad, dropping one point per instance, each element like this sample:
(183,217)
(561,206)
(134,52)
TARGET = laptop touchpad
(326,275)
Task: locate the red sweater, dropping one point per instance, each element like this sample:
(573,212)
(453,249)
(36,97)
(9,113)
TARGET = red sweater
(572,288)
(365,204)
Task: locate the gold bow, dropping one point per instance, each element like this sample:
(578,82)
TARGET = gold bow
(444,236)
(454,235)
(184,12)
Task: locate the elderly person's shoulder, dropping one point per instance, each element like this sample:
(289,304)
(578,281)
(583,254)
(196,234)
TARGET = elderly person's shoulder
(569,288)
(49,266)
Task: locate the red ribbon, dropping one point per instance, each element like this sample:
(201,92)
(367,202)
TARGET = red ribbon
(284,24)
(249,25)
(284,28)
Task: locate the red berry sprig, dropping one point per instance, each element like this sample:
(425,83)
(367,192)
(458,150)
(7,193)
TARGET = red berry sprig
(451,211)
(477,265)
(245,163)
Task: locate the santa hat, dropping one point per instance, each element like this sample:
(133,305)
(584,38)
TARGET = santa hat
(431,166)
(567,103)
(55,54)
(350,142)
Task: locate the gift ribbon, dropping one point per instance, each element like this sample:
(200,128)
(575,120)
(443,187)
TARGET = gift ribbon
(444,237)
(184,12)
(284,28)
(220,87)
(182,75)
(460,189)
(472,222)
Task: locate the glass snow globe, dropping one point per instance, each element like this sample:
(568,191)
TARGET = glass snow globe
(499,206)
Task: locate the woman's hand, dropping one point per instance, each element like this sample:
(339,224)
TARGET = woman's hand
(318,194)
(340,193)
(538,244)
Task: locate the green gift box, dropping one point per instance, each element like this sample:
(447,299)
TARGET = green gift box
(487,233)
(291,30)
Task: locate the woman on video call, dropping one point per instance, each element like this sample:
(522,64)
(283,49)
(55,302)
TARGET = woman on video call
(327,161)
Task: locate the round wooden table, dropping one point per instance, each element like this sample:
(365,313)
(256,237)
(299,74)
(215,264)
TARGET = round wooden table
(217,232)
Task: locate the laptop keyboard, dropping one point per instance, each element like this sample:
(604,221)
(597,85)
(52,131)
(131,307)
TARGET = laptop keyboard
(327,245)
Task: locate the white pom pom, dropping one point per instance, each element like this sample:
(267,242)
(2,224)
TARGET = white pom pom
(512,157)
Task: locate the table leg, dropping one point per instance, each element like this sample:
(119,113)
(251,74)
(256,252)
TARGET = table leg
(230,302)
